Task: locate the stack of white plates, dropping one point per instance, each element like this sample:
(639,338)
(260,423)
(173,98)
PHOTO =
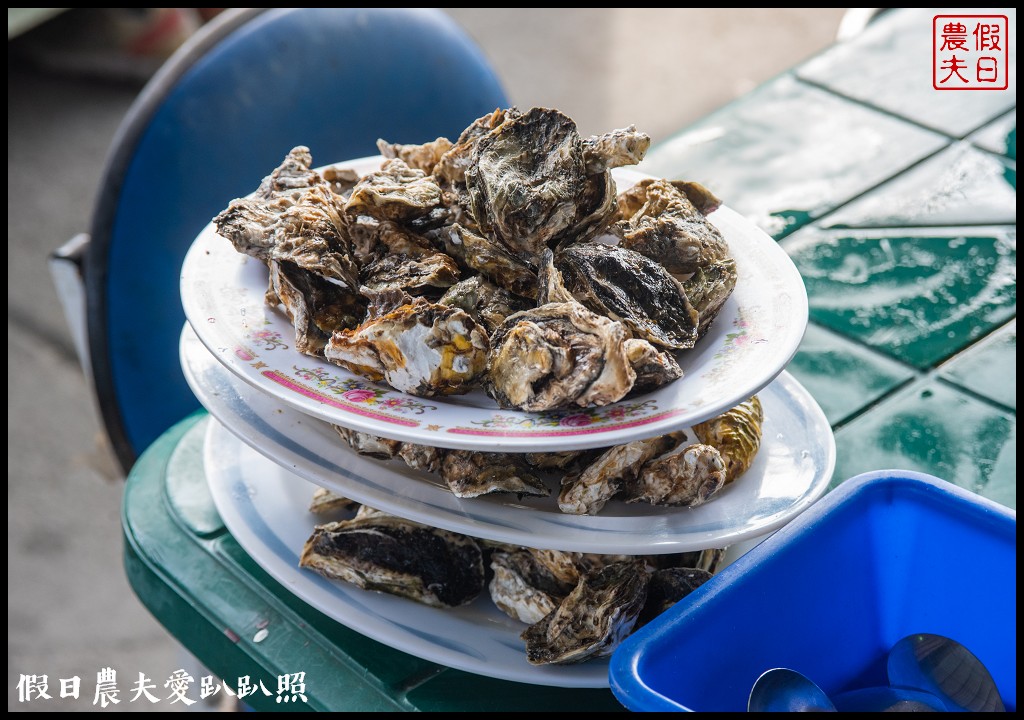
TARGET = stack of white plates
(271,442)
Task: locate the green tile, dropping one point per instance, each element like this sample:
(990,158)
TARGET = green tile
(918,294)
(844,376)
(890,66)
(788,153)
(959,186)
(931,427)
(454,691)
(988,368)
(999,136)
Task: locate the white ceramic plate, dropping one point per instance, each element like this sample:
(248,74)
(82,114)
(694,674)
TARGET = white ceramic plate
(790,472)
(754,337)
(264,508)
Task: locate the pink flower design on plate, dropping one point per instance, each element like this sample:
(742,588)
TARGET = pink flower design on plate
(358,395)
(578,420)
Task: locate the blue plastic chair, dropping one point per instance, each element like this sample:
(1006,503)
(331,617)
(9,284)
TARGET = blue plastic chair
(221,114)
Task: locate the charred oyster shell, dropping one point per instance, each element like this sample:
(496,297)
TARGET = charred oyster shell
(667,587)
(593,619)
(736,434)
(631,288)
(420,348)
(385,553)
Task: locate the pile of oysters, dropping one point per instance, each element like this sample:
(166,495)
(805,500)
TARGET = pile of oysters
(508,260)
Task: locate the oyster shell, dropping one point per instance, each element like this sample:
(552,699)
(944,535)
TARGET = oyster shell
(652,366)
(294,216)
(489,259)
(452,166)
(708,289)
(688,478)
(382,552)
(566,460)
(587,492)
(316,307)
(367,444)
(708,559)
(629,287)
(422,274)
(658,219)
(419,157)
(525,179)
(736,434)
(324,501)
(593,619)
(471,474)
(667,587)
(420,348)
(395,192)
(595,210)
(614,149)
(422,457)
(529,584)
(485,302)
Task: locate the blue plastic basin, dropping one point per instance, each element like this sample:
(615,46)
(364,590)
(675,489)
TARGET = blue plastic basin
(885,555)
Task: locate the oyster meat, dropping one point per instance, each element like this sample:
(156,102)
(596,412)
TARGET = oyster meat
(420,348)
(587,492)
(688,478)
(631,288)
(593,619)
(471,474)
(381,552)
(736,434)
(658,219)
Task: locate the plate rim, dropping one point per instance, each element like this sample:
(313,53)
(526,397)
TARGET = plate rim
(458,517)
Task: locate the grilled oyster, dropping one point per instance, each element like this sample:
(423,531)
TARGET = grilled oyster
(529,584)
(369,445)
(593,619)
(658,219)
(667,587)
(626,286)
(525,179)
(294,216)
(324,501)
(708,289)
(485,302)
(422,457)
(688,478)
(736,434)
(614,149)
(315,306)
(587,492)
(420,348)
(489,259)
(395,192)
(652,366)
(423,274)
(471,474)
(419,157)
(381,552)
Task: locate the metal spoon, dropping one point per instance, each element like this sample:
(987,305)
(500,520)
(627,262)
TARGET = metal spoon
(888,699)
(946,669)
(785,690)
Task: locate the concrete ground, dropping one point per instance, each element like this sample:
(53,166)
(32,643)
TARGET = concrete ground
(70,610)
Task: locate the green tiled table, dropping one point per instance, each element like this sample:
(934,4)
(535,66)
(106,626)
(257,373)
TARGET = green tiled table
(897,203)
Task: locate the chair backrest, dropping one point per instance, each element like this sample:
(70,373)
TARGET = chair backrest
(217,117)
